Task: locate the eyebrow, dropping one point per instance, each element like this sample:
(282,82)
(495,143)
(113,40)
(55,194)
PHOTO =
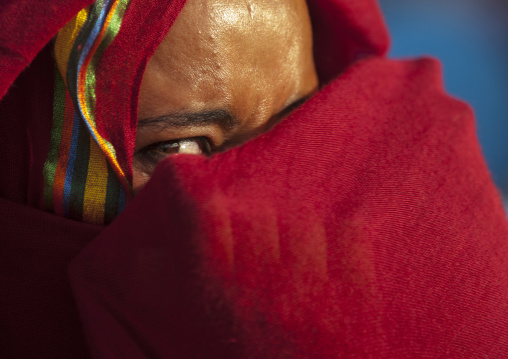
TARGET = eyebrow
(221,118)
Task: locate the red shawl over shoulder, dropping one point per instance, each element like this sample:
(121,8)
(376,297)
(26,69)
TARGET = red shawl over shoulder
(363,226)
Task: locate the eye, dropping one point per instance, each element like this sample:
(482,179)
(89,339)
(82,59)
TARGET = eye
(147,157)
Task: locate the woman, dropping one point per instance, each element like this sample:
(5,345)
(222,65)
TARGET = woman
(223,74)
(364,224)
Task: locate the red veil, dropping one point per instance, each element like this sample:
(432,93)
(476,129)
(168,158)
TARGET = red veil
(365,225)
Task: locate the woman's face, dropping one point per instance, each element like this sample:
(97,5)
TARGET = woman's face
(227,71)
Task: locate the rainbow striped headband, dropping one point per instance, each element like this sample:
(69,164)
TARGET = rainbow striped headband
(82,177)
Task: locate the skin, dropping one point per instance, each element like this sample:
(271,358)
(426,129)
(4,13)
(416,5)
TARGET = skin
(227,71)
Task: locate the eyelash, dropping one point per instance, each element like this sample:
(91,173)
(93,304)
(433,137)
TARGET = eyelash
(158,151)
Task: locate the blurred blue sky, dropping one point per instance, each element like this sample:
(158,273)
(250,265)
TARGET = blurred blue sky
(470,37)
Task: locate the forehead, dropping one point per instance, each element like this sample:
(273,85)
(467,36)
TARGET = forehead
(221,50)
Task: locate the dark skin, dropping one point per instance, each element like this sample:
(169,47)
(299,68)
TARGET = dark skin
(227,71)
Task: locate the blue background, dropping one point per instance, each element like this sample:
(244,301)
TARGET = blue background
(470,37)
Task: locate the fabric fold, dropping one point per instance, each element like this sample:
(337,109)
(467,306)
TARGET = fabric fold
(340,233)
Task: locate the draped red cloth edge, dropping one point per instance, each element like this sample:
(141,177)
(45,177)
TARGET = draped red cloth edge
(393,247)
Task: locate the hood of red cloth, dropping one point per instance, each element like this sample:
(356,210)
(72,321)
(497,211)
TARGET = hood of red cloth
(343,33)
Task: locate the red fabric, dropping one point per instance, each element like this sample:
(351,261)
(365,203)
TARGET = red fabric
(144,26)
(38,316)
(344,32)
(25,129)
(365,225)
(25,27)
